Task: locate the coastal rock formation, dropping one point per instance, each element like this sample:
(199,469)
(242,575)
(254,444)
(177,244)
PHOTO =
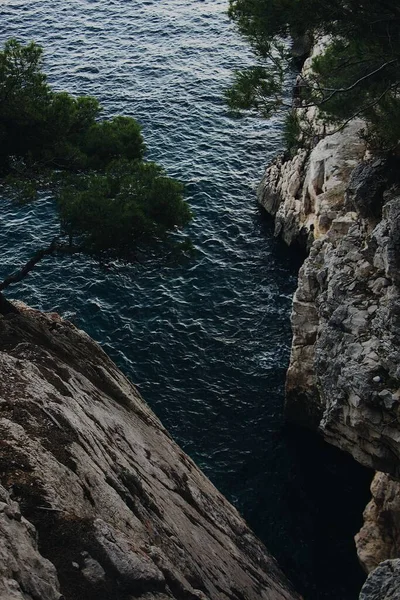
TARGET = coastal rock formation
(344,370)
(343,380)
(305,194)
(96,500)
(344,373)
(379,538)
(383,583)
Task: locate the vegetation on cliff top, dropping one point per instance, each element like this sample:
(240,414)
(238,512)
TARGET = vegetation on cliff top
(357,75)
(109,200)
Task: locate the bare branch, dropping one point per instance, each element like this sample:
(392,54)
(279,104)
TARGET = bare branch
(55,246)
(356,83)
(359,112)
(21,273)
(335,91)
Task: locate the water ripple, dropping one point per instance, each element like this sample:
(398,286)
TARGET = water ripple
(199,326)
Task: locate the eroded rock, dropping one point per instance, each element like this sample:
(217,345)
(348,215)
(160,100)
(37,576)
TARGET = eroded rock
(24,573)
(379,538)
(349,369)
(115,505)
(133,567)
(306,192)
(365,189)
(383,583)
(344,372)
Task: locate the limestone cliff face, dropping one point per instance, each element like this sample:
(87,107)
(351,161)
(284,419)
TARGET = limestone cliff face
(96,500)
(379,538)
(346,336)
(344,373)
(305,193)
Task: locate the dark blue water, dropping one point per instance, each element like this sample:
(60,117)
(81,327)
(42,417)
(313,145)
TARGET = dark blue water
(206,341)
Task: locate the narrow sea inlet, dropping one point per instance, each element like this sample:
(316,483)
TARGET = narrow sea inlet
(206,340)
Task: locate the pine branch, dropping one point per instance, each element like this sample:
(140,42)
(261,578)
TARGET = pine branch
(30,265)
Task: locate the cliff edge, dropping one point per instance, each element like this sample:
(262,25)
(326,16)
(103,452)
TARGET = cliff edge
(96,500)
(343,206)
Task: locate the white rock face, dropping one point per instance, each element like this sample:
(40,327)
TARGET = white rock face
(344,369)
(306,193)
(105,494)
(344,372)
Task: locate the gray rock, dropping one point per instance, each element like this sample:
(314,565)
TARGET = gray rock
(24,573)
(12,511)
(301,46)
(333,375)
(366,188)
(92,571)
(134,568)
(392,214)
(387,398)
(105,483)
(383,583)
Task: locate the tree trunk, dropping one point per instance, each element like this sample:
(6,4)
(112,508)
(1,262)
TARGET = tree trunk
(27,268)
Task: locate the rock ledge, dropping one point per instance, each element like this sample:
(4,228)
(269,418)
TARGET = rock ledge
(96,500)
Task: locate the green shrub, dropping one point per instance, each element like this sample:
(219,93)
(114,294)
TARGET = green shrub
(291,131)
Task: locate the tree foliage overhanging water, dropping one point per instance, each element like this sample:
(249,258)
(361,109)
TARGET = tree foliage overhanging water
(108,199)
(355,75)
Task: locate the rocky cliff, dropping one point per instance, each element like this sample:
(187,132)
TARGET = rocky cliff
(96,500)
(343,206)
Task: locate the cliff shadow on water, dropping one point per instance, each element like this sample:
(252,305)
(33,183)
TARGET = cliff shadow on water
(318,494)
(302,496)
(310,496)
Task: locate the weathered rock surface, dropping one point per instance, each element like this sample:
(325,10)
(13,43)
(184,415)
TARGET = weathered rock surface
(383,583)
(379,538)
(344,371)
(305,194)
(366,188)
(24,573)
(97,501)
